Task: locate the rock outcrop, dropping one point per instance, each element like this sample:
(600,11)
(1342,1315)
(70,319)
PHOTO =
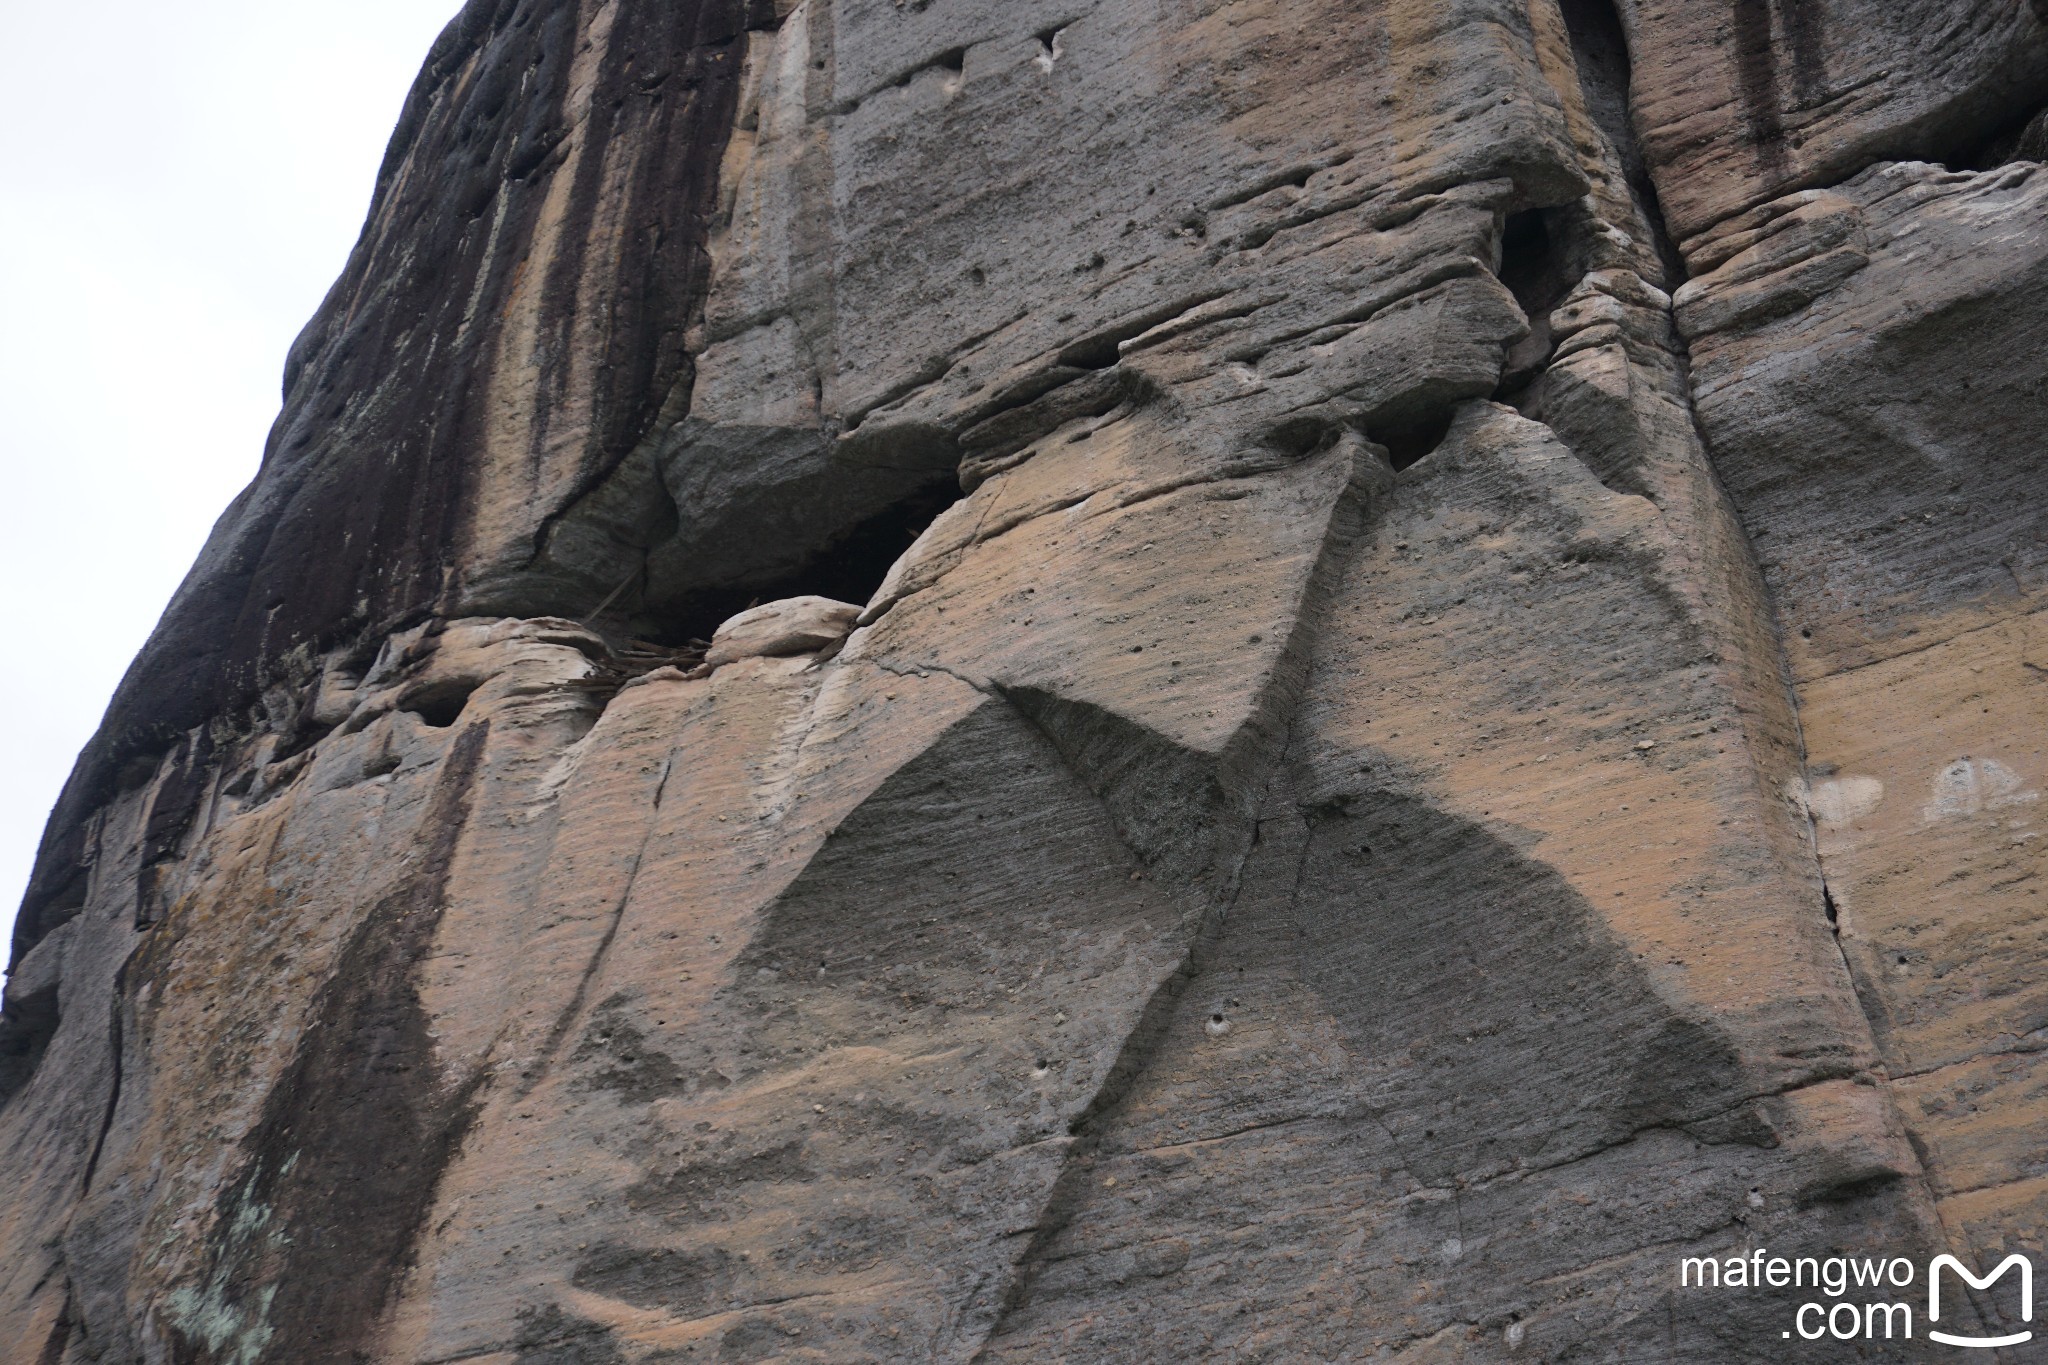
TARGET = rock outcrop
(1382,668)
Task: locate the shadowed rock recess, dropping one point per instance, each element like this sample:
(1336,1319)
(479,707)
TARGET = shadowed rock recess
(1059,680)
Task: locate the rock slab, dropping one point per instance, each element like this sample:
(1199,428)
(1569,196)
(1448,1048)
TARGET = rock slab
(1004,681)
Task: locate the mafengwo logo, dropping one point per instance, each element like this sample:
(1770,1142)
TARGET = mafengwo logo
(2012,1262)
(1872,1298)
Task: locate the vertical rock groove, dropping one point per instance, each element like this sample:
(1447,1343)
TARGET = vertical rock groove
(1756,57)
(338,1176)
(1600,53)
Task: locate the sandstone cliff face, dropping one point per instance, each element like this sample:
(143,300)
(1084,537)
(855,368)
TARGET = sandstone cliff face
(1404,680)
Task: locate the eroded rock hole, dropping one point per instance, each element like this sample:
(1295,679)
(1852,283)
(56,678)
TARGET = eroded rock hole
(439,705)
(847,567)
(1050,49)
(1538,272)
(1408,442)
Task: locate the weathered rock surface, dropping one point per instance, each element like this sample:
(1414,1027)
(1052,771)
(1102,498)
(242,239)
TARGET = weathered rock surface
(1402,680)
(796,625)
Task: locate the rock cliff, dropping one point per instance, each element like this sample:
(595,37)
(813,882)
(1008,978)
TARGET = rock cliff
(1396,675)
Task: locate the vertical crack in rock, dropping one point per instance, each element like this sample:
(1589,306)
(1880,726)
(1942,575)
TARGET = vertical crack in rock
(1223,833)
(339,1174)
(116,1042)
(1600,52)
(571,1012)
(1868,999)
(1070,1190)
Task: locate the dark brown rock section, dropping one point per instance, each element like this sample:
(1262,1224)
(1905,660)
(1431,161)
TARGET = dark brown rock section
(340,1172)
(356,518)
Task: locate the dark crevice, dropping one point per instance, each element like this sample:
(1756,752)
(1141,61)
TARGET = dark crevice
(1408,442)
(1100,350)
(1089,392)
(1848,1190)
(116,1044)
(953,59)
(438,704)
(1539,273)
(761,16)
(1289,177)
(1827,903)
(846,568)
(1096,353)
(25,1033)
(1600,52)
(2023,139)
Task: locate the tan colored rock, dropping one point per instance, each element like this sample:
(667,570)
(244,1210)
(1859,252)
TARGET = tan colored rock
(1881,432)
(773,630)
(1739,103)
(1412,751)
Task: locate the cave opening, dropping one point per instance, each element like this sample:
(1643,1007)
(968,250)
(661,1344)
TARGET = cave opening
(1537,267)
(1408,441)
(847,564)
(2024,138)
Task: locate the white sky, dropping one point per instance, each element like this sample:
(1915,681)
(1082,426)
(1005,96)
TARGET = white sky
(181,184)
